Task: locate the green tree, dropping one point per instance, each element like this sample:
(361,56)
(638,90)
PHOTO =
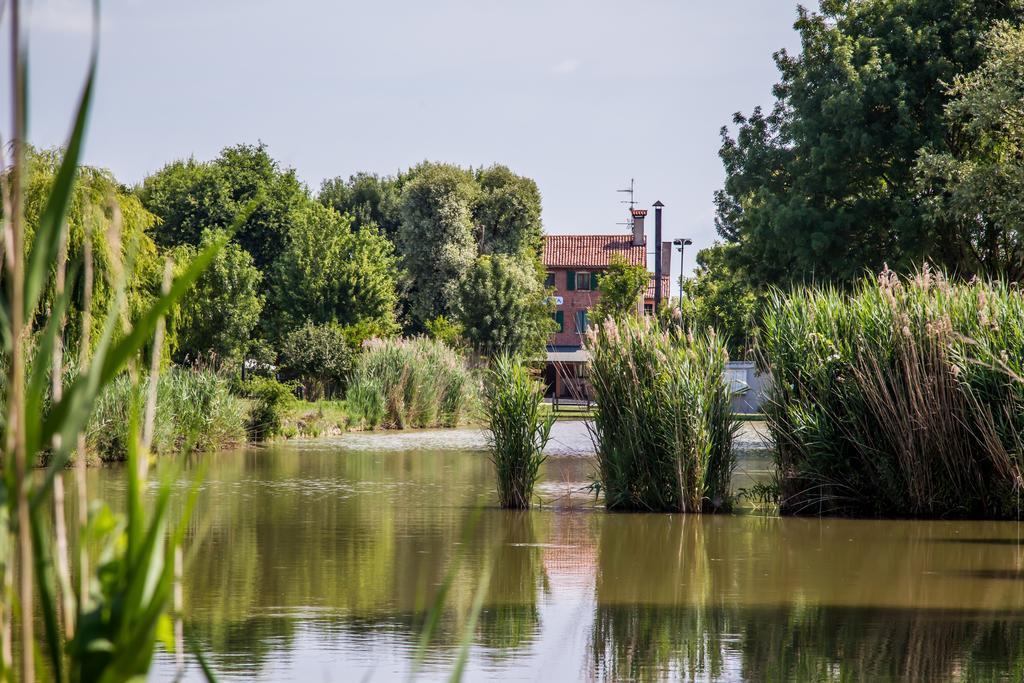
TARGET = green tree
(507,213)
(503,307)
(622,288)
(101,210)
(436,238)
(189,197)
(330,273)
(319,358)
(218,316)
(369,198)
(973,194)
(721,298)
(822,187)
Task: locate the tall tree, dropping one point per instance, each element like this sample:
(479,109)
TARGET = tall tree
(436,238)
(189,197)
(502,306)
(110,217)
(369,198)
(720,297)
(973,194)
(217,318)
(507,213)
(622,288)
(329,273)
(822,187)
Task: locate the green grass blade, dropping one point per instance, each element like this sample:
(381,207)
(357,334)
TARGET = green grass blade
(47,583)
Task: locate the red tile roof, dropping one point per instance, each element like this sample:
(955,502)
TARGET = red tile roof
(593,251)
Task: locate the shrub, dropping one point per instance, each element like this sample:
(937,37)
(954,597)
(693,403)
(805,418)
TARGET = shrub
(897,398)
(417,382)
(269,398)
(319,358)
(518,431)
(663,427)
(194,410)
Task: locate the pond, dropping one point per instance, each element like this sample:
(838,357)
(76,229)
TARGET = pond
(318,561)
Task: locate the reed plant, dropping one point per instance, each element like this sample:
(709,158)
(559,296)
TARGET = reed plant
(417,382)
(663,427)
(518,430)
(101,613)
(195,410)
(901,398)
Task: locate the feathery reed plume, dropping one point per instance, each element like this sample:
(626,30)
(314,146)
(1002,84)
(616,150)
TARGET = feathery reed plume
(895,399)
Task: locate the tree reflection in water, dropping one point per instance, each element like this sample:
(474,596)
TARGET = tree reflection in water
(321,553)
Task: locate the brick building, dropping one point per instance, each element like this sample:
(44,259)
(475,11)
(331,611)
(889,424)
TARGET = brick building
(574,264)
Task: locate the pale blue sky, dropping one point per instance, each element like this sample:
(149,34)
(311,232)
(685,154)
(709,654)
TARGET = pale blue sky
(579,95)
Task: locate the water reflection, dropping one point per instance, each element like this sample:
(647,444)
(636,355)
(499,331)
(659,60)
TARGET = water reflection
(319,561)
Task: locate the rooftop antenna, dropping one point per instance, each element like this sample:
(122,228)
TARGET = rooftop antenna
(631,201)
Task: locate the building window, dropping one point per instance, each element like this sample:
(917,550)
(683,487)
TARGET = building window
(560,320)
(549,281)
(583,282)
(648,309)
(581,321)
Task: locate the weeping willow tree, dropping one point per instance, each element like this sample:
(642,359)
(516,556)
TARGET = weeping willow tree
(114,224)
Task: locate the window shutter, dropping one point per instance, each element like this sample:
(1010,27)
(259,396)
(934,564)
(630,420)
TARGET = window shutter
(593,281)
(570,281)
(560,319)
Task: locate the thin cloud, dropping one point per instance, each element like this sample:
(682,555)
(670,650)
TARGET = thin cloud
(65,17)
(566,67)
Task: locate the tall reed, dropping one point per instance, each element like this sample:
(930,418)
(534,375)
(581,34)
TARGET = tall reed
(105,628)
(663,427)
(518,431)
(416,382)
(897,398)
(194,410)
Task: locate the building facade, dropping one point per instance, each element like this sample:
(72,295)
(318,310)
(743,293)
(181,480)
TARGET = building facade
(574,266)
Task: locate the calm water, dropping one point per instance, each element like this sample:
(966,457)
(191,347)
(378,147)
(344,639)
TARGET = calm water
(317,562)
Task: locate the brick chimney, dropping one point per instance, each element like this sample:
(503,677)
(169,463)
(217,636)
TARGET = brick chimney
(639,237)
(666,260)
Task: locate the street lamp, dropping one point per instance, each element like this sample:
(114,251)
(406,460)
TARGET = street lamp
(680,245)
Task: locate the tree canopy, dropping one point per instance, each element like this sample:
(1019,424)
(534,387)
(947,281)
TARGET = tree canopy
(218,317)
(973,192)
(503,308)
(329,273)
(189,197)
(822,186)
(622,288)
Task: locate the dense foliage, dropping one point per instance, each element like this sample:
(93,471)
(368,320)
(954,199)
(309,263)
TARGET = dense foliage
(502,307)
(622,288)
(973,189)
(720,297)
(331,274)
(319,358)
(902,398)
(195,410)
(822,186)
(218,318)
(663,427)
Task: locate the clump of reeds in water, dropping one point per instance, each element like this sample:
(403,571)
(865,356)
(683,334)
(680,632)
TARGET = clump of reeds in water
(418,382)
(901,398)
(518,431)
(663,426)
